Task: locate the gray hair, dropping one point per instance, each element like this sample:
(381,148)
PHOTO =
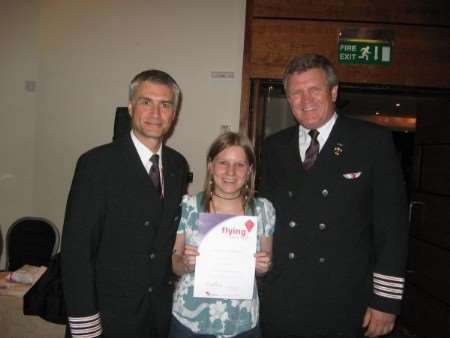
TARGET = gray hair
(159,77)
(306,62)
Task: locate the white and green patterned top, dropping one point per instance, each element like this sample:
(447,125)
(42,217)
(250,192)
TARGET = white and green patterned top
(220,317)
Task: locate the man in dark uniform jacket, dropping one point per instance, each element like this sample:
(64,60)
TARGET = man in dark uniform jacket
(341,236)
(120,225)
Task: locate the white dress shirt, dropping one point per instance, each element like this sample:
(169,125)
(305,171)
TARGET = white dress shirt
(304,139)
(145,154)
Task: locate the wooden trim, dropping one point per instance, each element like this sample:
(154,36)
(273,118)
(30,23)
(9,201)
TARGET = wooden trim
(254,109)
(421,57)
(403,12)
(246,70)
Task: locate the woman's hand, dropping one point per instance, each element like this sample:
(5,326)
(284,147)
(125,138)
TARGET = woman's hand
(183,256)
(263,262)
(189,257)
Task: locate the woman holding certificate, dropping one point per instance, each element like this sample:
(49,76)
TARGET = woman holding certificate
(223,239)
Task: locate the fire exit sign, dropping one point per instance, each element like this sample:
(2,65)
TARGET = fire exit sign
(360,51)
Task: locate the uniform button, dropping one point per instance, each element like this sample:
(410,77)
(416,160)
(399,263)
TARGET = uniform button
(324,192)
(292,224)
(290,193)
(150,289)
(321,260)
(147,223)
(291,255)
(152,255)
(322,226)
(176,218)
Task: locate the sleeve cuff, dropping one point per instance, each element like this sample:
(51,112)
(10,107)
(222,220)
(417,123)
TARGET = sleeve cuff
(85,327)
(387,293)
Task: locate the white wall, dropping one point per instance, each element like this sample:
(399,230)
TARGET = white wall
(18,64)
(87,53)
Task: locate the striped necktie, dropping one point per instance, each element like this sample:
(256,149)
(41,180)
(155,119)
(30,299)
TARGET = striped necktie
(154,173)
(313,150)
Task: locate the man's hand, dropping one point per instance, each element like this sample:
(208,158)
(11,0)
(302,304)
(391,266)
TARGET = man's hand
(377,323)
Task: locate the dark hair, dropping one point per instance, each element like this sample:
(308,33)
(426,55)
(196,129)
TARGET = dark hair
(306,62)
(159,77)
(221,143)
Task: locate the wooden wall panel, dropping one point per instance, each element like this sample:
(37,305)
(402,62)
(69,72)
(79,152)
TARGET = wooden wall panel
(278,30)
(432,12)
(429,256)
(425,315)
(431,219)
(435,169)
(432,124)
(430,270)
(416,60)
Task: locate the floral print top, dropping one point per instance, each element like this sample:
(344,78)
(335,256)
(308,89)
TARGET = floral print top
(220,317)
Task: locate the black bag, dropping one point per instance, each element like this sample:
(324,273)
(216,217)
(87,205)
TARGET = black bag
(45,298)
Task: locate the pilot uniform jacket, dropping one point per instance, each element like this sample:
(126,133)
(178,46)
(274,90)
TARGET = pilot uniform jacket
(117,242)
(341,234)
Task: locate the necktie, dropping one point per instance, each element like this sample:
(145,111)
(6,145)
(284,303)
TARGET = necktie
(312,151)
(154,173)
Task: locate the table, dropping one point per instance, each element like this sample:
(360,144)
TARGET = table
(14,324)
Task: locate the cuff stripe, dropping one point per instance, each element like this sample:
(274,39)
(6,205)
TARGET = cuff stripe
(85,327)
(388,286)
(387,295)
(382,288)
(84,319)
(94,329)
(389,278)
(381,282)
(94,335)
(82,325)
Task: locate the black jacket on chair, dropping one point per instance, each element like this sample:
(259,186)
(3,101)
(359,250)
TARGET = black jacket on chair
(45,298)
(117,240)
(341,229)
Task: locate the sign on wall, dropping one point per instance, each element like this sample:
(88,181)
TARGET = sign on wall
(362,46)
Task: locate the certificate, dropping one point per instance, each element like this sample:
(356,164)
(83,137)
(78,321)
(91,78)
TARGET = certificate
(225,267)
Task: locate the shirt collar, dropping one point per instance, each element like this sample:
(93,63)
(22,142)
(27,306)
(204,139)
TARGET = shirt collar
(324,131)
(143,151)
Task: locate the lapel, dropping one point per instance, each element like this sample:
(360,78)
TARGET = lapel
(169,170)
(289,157)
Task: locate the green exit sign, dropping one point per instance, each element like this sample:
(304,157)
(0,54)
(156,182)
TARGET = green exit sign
(359,51)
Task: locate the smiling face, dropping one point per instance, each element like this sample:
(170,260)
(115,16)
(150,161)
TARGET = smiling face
(229,170)
(152,113)
(311,98)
